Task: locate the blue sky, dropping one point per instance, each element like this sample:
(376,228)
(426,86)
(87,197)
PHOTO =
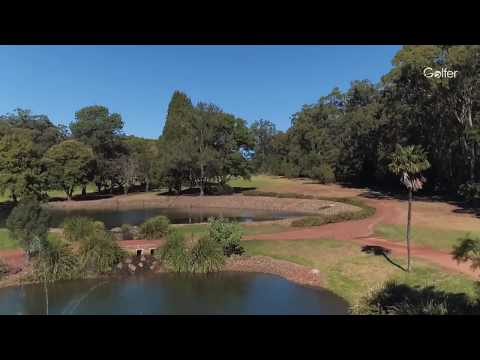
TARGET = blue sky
(252,82)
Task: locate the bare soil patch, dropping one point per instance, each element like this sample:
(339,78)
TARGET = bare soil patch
(263,264)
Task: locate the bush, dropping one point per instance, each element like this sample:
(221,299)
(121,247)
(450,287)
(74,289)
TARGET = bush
(174,253)
(206,256)
(468,249)
(79,227)
(127,233)
(3,269)
(400,299)
(227,234)
(470,192)
(28,224)
(220,189)
(155,227)
(323,174)
(99,252)
(56,262)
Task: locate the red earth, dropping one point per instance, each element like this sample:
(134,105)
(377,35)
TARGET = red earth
(357,231)
(362,233)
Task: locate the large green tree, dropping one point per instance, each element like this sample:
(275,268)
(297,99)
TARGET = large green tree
(97,127)
(69,165)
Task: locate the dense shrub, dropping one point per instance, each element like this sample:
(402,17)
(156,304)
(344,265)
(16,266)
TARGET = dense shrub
(127,232)
(155,227)
(323,174)
(99,252)
(470,192)
(227,234)
(3,269)
(400,299)
(56,262)
(468,250)
(79,227)
(220,189)
(206,256)
(28,224)
(174,253)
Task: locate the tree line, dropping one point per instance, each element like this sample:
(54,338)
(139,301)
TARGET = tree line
(347,136)
(350,136)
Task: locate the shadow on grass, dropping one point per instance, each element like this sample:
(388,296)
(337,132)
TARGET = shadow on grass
(381,251)
(403,299)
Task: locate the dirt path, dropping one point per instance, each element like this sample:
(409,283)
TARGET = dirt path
(362,233)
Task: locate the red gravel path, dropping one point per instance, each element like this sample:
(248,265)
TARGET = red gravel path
(361,232)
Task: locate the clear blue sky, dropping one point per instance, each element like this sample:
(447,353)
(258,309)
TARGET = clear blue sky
(252,82)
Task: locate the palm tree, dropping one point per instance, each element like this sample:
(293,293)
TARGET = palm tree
(409,162)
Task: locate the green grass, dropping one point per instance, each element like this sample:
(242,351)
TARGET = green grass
(350,273)
(91,188)
(199,230)
(6,242)
(259,182)
(433,238)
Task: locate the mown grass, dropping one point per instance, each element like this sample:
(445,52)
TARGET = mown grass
(260,182)
(91,188)
(437,239)
(198,230)
(349,272)
(6,242)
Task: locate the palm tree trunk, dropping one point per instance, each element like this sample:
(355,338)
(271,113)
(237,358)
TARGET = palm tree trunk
(409,219)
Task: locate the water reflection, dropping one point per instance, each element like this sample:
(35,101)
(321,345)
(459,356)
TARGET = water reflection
(221,293)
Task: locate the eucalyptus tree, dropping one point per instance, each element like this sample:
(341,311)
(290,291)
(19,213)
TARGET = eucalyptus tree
(69,164)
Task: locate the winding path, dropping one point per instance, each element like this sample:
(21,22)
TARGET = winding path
(362,233)
(357,231)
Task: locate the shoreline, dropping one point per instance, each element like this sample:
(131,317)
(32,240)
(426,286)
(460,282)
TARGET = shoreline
(251,264)
(304,207)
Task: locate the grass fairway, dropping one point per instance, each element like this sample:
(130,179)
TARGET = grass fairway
(7,243)
(201,229)
(91,188)
(350,273)
(437,239)
(261,182)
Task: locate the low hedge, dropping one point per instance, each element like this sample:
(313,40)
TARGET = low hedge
(317,220)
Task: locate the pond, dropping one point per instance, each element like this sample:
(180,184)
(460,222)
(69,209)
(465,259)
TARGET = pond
(227,293)
(114,217)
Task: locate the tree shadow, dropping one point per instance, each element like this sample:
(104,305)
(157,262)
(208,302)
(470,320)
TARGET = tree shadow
(403,299)
(381,251)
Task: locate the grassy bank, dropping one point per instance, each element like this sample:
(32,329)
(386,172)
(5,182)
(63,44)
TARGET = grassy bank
(317,220)
(350,273)
(7,243)
(199,230)
(437,239)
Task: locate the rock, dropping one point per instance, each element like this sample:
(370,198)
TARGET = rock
(140,264)
(117,233)
(143,258)
(119,265)
(315,271)
(128,261)
(132,267)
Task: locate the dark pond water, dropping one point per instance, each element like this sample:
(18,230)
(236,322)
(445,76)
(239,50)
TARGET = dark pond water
(164,294)
(113,218)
